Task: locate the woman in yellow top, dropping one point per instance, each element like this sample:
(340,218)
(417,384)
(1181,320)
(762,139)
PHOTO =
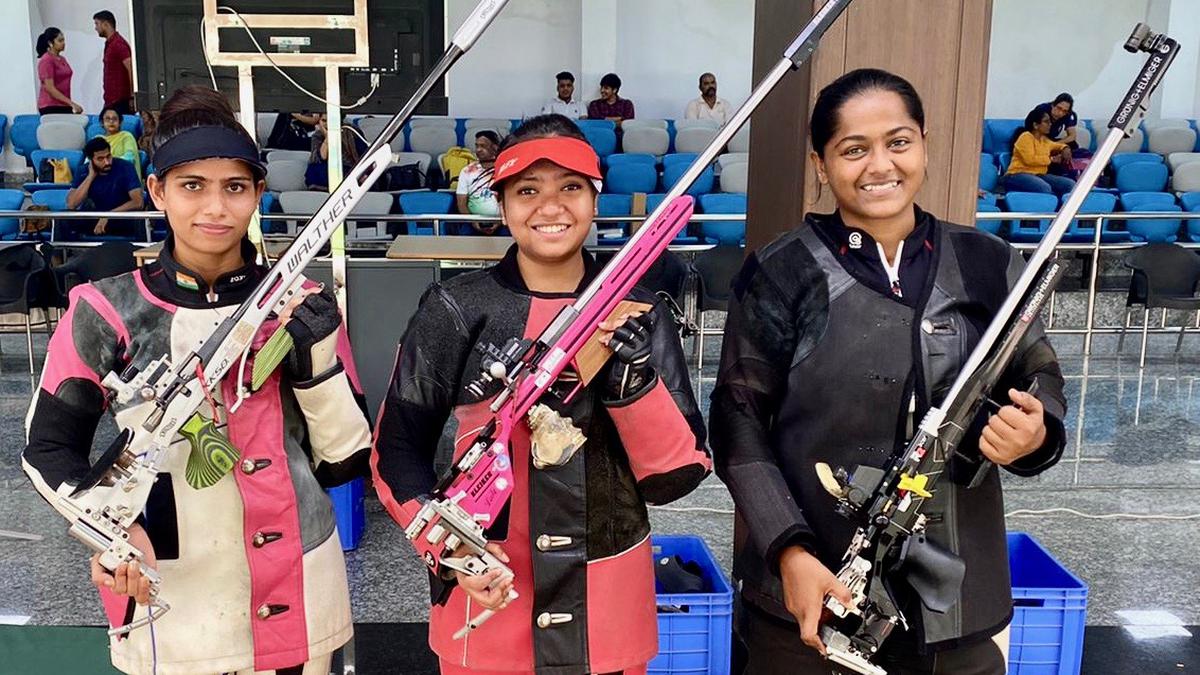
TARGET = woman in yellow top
(1033,153)
(122,143)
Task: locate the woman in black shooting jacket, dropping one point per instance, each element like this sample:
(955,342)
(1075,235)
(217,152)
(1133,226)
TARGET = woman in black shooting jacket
(873,308)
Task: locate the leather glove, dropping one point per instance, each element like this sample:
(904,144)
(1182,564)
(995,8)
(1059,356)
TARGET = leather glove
(630,372)
(313,327)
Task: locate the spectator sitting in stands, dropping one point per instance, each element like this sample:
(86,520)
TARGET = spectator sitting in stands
(474,194)
(565,104)
(610,106)
(110,184)
(292,131)
(54,75)
(1062,120)
(122,143)
(316,177)
(708,106)
(1033,153)
(149,129)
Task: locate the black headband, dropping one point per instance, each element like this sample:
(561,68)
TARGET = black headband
(208,142)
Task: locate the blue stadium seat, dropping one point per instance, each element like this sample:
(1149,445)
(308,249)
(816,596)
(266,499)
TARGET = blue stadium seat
(75,157)
(24,134)
(989,198)
(1002,160)
(1029,202)
(55,199)
(992,226)
(1146,201)
(989,175)
(432,203)
(723,232)
(1083,231)
(604,141)
(1120,159)
(132,124)
(1157,229)
(684,158)
(630,178)
(1142,177)
(10,200)
(610,205)
(629,157)
(998,134)
(93,130)
(584,125)
(702,186)
(652,202)
(1190,202)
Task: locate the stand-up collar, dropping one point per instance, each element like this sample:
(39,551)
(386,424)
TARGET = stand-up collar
(508,273)
(174,282)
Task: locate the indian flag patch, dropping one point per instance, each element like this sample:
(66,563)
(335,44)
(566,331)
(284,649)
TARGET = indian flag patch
(187,282)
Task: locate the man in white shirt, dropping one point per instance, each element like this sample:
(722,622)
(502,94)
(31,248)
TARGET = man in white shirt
(564,104)
(474,194)
(708,106)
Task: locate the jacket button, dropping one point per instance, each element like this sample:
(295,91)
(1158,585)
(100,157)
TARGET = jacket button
(249,466)
(549,542)
(266,611)
(261,539)
(548,619)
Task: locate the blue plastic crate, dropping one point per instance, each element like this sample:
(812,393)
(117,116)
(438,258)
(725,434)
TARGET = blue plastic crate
(694,629)
(349,511)
(1048,615)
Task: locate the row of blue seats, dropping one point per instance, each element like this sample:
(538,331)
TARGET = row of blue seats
(1083,230)
(1135,172)
(641,177)
(998,133)
(723,232)
(75,161)
(24,130)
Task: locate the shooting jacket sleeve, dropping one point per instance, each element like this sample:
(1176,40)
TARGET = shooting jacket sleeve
(762,332)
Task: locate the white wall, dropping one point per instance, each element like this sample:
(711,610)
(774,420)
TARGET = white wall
(85,49)
(659,48)
(1040,49)
(510,70)
(17,78)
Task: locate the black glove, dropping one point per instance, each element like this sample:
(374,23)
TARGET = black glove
(313,328)
(630,372)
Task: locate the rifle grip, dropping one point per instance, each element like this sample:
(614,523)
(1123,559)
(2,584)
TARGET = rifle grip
(212,454)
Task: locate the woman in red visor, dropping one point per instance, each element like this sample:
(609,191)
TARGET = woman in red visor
(575,534)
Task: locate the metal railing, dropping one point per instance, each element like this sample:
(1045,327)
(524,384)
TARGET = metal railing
(292,221)
(610,237)
(1096,247)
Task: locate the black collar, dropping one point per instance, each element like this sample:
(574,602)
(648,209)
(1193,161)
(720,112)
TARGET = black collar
(849,240)
(175,283)
(508,273)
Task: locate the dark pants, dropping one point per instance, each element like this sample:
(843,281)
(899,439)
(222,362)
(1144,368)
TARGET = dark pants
(773,647)
(123,107)
(56,110)
(1046,183)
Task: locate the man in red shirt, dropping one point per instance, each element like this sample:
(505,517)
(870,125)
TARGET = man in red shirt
(118,64)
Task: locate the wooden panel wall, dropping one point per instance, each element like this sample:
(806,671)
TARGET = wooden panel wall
(941,46)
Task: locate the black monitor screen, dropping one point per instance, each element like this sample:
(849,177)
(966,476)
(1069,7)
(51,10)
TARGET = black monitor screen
(405,39)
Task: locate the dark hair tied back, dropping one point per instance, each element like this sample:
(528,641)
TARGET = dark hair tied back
(829,103)
(43,42)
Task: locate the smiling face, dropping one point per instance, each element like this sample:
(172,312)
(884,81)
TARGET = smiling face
(875,160)
(608,93)
(208,205)
(549,211)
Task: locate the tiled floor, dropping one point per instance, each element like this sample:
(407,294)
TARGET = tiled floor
(1133,448)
